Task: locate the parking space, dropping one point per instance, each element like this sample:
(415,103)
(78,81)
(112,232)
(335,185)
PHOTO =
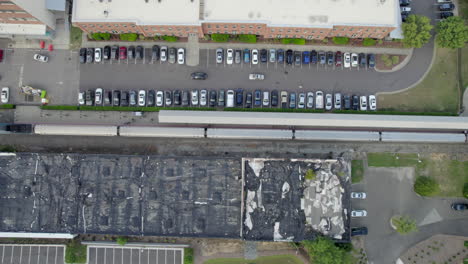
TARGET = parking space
(134,255)
(31,254)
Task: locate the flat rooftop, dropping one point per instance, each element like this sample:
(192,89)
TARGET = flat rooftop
(141,12)
(303,13)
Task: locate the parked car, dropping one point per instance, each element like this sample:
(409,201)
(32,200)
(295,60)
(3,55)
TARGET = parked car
(372,102)
(355,102)
(444,15)
(371,60)
(248,100)
(98,96)
(405,9)
(297,58)
(246,56)
(354,60)
(185,98)
(159,98)
(328,102)
(230,98)
(155,53)
(237,56)
(405,2)
(256,76)
(133,101)
(181,56)
(274,98)
(43,58)
(115,52)
(151,98)
(263,55)
(203,97)
(314,56)
(106,54)
(289,57)
(347,60)
(319,100)
(97,54)
(363,103)
(219,55)
(362,60)
(338,101)
(123,53)
(124,99)
(338,59)
(239,97)
(229,56)
(194,97)
(266,99)
(358,195)
(280,55)
(347,102)
(116,98)
(81,98)
(212,98)
(257,98)
(284,99)
(89,55)
(254,56)
(221,98)
(330,58)
(310,100)
(358,231)
(272,55)
(459,206)
(83,55)
(446,7)
(172,55)
(199,76)
(163,53)
(305,57)
(142,98)
(168,98)
(89,97)
(358,213)
(301,101)
(140,52)
(292,100)
(177,97)
(322,58)
(131,52)
(5,96)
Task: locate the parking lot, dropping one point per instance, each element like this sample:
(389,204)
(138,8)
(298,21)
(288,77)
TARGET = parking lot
(134,255)
(32,254)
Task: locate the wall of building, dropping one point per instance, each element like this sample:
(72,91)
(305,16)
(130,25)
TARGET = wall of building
(10,13)
(38,9)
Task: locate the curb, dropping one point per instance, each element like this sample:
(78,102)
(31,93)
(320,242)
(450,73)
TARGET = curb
(400,65)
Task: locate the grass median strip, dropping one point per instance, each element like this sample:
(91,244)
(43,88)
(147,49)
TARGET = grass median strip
(279,259)
(357,171)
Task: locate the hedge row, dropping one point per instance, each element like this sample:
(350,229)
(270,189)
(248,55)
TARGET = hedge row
(101,36)
(286,110)
(340,40)
(129,37)
(121,108)
(170,38)
(389,112)
(247,38)
(369,42)
(220,37)
(7,106)
(296,41)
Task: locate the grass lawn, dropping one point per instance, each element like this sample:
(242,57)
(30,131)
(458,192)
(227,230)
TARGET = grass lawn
(75,37)
(449,173)
(279,259)
(463,11)
(75,252)
(438,92)
(357,171)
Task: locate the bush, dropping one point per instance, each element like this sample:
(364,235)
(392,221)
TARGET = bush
(465,244)
(345,246)
(465,190)
(7,106)
(324,251)
(357,171)
(59,107)
(122,240)
(6,148)
(395,60)
(426,186)
(129,37)
(188,255)
(75,252)
(101,36)
(310,175)
(340,40)
(404,224)
(170,38)
(369,42)
(248,38)
(220,37)
(380,41)
(325,40)
(296,41)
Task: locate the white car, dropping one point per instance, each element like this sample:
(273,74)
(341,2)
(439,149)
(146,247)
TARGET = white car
(41,58)
(310,100)
(98,96)
(168,98)
(372,102)
(319,100)
(363,103)
(97,54)
(163,53)
(338,101)
(230,98)
(347,60)
(301,101)
(328,102)
(142,98)
(81,100)
(272,55)
(358,213)
(405,9)
(159,98)
(354,60)
(203,95)
(256,76)
(255,56)
(266,98)
(219,56)
(229,56)
(194,97)
(358,195)
(181,56)
(5,95)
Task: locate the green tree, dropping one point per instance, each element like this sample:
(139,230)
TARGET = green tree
(369,42)
(122,241)
(340,40)
(426,186)
(296,41)
(170,38)
(220,37)
(404,225)
(416,31)
(452,33)
(248,38)
(324,251)
(129,37)
(465,190)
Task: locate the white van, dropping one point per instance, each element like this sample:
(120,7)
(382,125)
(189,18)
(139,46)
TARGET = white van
(230,98)
(319,100)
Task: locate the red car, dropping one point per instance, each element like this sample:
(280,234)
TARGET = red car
(338,59)
(1,55)
(123,53)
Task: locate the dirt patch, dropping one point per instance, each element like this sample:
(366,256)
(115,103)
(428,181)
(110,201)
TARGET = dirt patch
(380,61)
(265,246)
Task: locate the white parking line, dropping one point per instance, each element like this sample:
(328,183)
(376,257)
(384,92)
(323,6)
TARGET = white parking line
(157,256)
(30,249)
(21,253)
(12,254)
(47,255)
(131,259)
(3,253)
(56,253)
(38,254)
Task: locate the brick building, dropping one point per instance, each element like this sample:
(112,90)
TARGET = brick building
(31,18)
(309,19)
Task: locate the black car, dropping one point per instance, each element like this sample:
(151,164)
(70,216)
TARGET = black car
(405,2)
(133,100)
(371,60)
(177,97)
(155,53)
(168,98)
(108,98)
(359,231)
(263,55)
(289,57)
(116,98)
(89,97)
(124,99)
(274,98)
(115,52)
(447,7)
(314,57)
(355,102)
(212,98)
(280,55)
(83,55)
(248,100)
(297,58)
(185,98)
(239,97)
(90,55)
(292,100)
(362,60)
(131,52)
(139,52)
(258,98)
(445,15)
(347,102)
(330,58)
(107,53)
(151,98)
(459,206)
(199,76)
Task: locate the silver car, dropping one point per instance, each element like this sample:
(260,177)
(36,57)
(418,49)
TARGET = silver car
(203,96)
(219,55)
(172,55)
(266,98)
(328,102)
(272,55)
(159,98)
(163,53)
(301,101)
(337,101)
(310,100)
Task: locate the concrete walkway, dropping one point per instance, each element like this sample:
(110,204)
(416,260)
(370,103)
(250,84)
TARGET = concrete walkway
(464,106)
